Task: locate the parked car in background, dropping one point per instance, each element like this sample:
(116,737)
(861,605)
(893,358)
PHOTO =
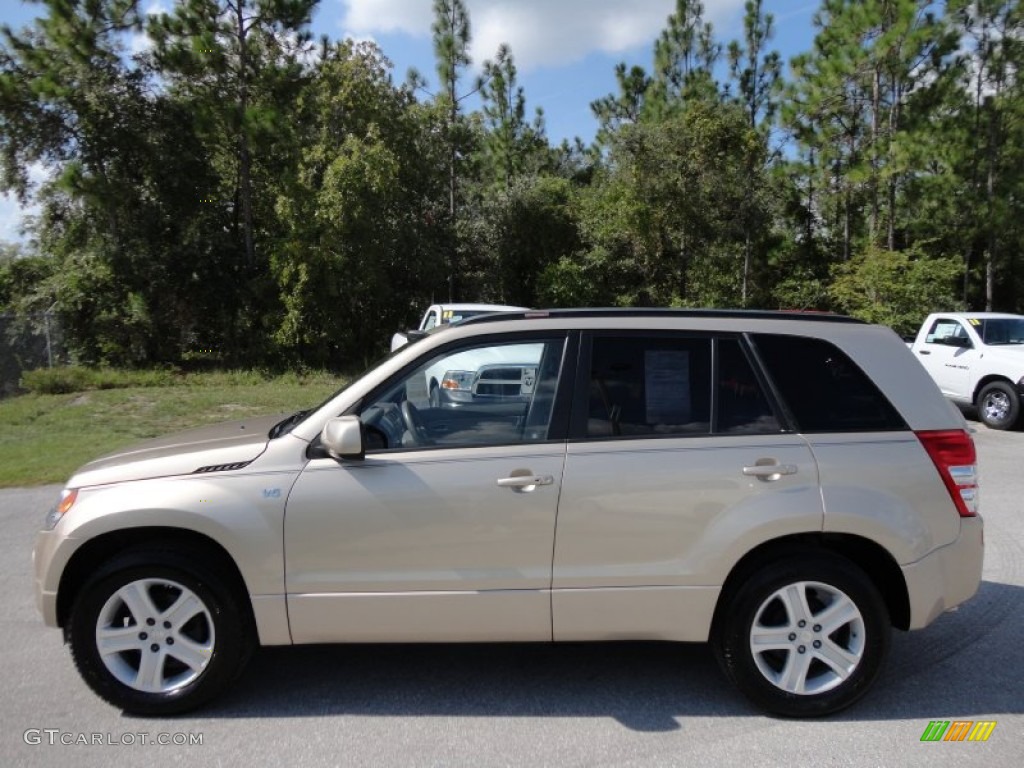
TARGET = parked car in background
(498,377)
(786,487)
(977,359)
(441,314)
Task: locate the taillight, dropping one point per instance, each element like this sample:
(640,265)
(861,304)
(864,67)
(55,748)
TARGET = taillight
(952,452)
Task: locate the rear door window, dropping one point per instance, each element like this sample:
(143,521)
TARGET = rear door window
(642,385)
(743,408)
(666,384)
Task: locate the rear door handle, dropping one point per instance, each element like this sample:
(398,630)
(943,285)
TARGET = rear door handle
(525,483)
(769,470)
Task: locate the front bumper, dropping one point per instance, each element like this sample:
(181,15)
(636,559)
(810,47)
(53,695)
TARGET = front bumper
(47,563)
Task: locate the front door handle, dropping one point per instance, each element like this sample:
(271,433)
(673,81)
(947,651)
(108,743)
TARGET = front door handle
(524,481)
(923,352)
(769,470)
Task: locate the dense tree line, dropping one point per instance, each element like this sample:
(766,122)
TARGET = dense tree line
(243,194)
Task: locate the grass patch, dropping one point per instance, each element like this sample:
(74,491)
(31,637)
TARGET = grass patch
(45,437)
(76,378)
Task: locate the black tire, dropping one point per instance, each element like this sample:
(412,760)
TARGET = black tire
(212,633)
(998,405)
(823,582)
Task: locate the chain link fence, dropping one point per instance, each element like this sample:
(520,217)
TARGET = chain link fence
(28,341)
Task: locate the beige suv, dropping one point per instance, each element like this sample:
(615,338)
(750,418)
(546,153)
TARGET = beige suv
(787,487)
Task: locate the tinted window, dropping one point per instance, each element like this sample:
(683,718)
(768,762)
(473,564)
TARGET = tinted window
(742,405)
(649,386)
(823,389)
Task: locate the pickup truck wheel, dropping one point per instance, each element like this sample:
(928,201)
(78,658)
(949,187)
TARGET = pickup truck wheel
(998,405)
(803,637)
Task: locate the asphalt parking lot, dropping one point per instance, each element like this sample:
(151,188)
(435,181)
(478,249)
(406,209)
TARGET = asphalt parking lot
(534,705)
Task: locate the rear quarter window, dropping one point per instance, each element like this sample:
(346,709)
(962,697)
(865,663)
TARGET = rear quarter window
(823,389)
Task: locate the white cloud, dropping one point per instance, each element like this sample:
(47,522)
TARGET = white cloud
(365,16)
(541,33)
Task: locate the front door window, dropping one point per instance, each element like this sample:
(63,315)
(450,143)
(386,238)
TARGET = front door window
(483,395)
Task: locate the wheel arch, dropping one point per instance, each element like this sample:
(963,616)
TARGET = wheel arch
(94,553)
(873,559)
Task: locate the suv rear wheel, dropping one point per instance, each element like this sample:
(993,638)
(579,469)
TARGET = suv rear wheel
(804,637)
(156,634)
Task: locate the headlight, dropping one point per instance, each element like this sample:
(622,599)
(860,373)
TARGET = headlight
(458,380)
(67,500)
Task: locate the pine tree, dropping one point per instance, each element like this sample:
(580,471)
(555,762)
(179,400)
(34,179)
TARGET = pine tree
(451,31)
(509,139)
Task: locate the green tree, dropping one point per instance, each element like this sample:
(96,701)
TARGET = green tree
(451,32)
(685,56)
(990,31)
(110,216)
(509,140)
(756,72)
(530,225)
(895,288)
(364,230)
(624,108)
(847,108)
(659,225)
(233,59)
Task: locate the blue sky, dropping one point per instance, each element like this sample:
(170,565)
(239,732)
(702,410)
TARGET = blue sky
(565,50)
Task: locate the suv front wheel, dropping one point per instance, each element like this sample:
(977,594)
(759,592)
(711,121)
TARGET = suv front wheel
(154,633)
(804,637)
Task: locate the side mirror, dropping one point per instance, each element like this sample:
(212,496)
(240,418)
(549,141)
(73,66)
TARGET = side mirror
(343,438)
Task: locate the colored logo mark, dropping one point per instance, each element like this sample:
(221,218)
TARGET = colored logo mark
(958,730)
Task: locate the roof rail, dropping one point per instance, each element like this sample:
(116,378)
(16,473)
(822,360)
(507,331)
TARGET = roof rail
(743,314)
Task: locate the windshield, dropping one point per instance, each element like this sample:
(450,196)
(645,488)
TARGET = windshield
(465,314)
(1002,330)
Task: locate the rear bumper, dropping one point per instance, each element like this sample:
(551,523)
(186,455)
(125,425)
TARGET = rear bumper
(946,577)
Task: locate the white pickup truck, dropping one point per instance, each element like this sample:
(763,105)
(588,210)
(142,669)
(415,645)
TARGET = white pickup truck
(976,358)
(439,314)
